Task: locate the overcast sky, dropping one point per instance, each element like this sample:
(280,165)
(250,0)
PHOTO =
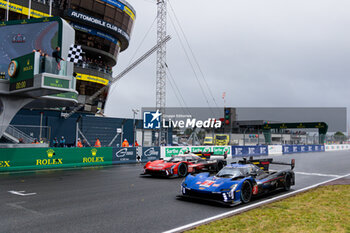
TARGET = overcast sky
(271,53)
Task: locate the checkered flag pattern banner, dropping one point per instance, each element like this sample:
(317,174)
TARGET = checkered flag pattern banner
(75,54)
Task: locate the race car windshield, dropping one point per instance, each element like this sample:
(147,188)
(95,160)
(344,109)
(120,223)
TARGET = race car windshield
(231,172)
(221,137)
(177,159)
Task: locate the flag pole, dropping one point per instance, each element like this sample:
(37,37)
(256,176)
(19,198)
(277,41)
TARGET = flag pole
(7,10)
(50,12)
(30,8)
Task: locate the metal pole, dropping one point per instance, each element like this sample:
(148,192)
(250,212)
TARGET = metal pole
(244,136)
(50,11)
(133,128)
(76,134)
(135,111)
(122,135)
(143,137)
(30,8)
(7,10)
(41,125)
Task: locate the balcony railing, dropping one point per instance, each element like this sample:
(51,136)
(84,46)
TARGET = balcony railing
(49,65)
(94,67)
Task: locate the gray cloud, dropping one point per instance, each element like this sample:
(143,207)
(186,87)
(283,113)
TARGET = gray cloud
(268,53)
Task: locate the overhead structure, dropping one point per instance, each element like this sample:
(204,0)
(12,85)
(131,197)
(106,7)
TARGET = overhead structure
(321,126)
(161,55)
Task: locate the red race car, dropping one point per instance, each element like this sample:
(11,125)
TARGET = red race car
(181,165)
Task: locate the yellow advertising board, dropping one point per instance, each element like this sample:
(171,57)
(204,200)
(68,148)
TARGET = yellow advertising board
(91,78)
(129,12)
(22,10)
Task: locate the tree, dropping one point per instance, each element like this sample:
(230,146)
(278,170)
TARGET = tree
(339,136)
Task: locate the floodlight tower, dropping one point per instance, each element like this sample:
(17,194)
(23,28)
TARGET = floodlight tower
(161,63)
(161,55)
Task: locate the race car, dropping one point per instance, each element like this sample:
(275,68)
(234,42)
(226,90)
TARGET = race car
(18,38)
(181,165)
(238,182)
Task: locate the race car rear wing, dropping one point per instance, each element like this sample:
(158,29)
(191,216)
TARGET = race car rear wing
(265,163)
(210,155)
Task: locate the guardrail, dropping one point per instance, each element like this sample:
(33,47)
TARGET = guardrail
(13,131)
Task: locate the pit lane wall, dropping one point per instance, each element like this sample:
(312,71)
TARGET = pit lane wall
(14,159)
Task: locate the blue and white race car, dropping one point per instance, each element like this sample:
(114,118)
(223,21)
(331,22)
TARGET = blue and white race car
(238,182)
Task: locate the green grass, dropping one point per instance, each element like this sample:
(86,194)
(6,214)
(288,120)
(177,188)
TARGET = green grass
(325,209)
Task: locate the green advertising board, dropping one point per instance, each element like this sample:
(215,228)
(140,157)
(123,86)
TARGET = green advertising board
(56,82)
(47,158)
(23,72)
(217,150)
(67,95)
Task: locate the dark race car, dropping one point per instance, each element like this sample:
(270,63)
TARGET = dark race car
(238,182)
(18,38)
(181,165)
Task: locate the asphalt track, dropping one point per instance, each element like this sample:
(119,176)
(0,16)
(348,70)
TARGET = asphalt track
(116,199)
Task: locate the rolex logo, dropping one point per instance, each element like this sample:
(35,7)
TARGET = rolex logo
(93,152)
(50,153)
(28,62)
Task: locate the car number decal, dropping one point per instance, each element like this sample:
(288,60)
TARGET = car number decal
(207,183)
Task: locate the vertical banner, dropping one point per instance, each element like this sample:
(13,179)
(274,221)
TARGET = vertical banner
(150,153)
(124,155)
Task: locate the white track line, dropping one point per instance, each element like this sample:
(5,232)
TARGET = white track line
(229,213)
(317,174)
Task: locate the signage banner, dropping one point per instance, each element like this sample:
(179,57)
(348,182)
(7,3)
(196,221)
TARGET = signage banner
(94,32)
(56,82)
(98,22)
(287,149)
(337,147)
(275,149)
(121,6)
(22,10)
(66,95)
(249,151)
(47,158)
(124,155)
(290,149)
(150,153)
(91,78)
(168,152)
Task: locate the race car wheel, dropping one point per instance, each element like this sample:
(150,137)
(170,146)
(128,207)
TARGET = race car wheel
(219,166)
(246,192)
(182,170)
(287,182)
